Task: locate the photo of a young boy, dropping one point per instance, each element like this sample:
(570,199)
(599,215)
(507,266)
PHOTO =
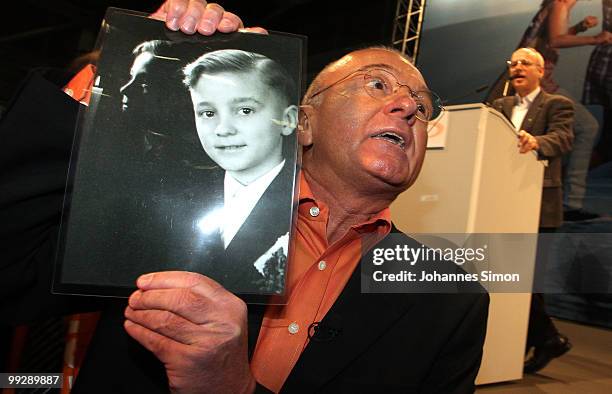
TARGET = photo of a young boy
(244,111)
(186,160)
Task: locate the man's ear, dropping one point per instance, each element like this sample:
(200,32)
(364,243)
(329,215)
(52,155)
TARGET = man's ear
(305,125)
(290,119)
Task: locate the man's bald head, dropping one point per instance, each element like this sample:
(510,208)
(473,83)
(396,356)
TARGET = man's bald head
(532,54)
(526,70)
(319,81)
(373,145)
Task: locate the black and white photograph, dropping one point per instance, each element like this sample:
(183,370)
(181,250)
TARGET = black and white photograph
(185,159)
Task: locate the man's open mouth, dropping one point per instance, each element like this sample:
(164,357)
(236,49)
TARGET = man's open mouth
(391,137)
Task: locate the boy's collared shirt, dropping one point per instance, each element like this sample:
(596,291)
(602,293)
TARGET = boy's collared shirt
(239,201)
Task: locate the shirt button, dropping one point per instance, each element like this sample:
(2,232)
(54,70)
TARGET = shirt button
(322,265)
(314,212)
(293,328)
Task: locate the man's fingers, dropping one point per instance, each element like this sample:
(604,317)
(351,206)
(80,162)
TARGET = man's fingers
(527,144)
(259,30)
(591,21)
(186,303)
(192,17)
(165,323)
(157,344)
(212,15)
(174,279)
(160,14)
(230,23)
(175,10)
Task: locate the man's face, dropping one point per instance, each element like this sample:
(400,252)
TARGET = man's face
(376,145)
(152,86)
(525,78)
(240,122)
(138,86)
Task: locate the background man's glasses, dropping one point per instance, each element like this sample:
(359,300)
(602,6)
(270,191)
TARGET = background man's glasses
(514,63)
(380,84)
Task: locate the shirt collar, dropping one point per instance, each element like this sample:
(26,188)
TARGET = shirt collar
(382,217)
(258,186)
(527,100)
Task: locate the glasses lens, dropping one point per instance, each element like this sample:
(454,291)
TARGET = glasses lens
(429,105)
(515,63)
(378,83)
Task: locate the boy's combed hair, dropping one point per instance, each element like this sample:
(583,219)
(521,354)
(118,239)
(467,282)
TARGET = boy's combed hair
(239,61)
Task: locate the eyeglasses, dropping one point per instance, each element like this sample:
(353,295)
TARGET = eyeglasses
(514,63)
(380,84)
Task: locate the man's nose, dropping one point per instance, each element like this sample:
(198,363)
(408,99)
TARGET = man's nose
(401,104)
(131,93)
(125,89)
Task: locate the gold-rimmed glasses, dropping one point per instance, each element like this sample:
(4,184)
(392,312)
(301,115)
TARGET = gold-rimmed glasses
(380,84)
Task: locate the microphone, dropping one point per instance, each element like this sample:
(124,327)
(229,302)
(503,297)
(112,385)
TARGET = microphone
(477,90)
(327,330)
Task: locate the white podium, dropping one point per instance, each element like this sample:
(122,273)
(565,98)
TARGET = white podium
(475,181)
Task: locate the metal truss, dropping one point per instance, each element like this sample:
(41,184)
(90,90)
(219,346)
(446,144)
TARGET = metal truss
(407,27)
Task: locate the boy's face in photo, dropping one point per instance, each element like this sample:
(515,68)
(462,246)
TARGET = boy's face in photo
(240,122)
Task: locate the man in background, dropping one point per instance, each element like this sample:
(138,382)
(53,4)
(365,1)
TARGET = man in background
(544,123)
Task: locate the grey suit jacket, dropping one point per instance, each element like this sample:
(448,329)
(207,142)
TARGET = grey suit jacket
(550,120)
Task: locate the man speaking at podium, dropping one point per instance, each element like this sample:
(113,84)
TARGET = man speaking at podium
(544,123)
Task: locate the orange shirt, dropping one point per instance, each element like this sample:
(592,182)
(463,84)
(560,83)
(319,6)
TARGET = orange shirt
(316,277)
(79,87)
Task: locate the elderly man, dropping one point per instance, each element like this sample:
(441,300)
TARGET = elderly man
(544,123)
(363,129)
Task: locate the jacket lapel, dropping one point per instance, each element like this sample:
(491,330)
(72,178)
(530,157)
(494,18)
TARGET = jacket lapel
(269,219)
(507,106)
(533,112)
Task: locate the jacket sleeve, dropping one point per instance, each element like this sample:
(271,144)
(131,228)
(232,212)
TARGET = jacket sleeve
(559,135)
(36,134)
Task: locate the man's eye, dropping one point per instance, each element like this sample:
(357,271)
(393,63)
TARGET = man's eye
(376,84)
(245,111)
